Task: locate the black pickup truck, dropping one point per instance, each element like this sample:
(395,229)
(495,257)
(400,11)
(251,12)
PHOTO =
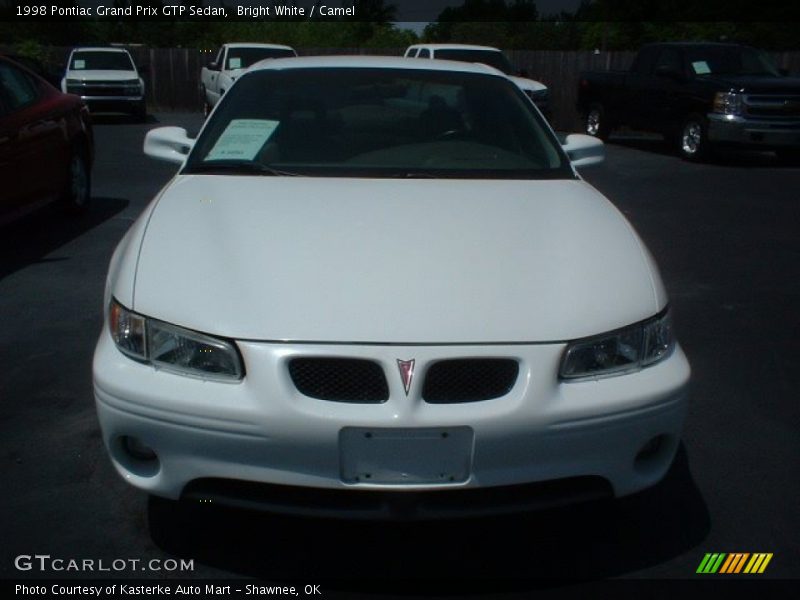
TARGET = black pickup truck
(698,95)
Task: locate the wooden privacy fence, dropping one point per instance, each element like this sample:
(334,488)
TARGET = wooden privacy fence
(172,75)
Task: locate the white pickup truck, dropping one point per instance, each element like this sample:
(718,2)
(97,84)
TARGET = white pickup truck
(487,55)
(231,60)
(106,79)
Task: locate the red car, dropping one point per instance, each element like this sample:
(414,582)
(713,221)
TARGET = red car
(46,144)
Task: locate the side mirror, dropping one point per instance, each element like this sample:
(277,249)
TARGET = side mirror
(584,150)
(171,144)
(213,66)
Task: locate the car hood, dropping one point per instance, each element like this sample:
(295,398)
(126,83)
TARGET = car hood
(758,85)
(400,261)
(101,75)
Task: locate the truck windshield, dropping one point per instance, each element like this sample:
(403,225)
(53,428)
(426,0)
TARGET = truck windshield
(241,58)
(101,61)
(710,60)
(377,122)
(492,58)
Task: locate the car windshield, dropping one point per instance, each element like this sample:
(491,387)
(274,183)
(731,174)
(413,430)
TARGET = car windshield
(724,60)
(241,58)
(101,61)
(377,122)
(493,58)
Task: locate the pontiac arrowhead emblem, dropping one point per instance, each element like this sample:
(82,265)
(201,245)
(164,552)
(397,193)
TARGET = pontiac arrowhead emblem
(406,372)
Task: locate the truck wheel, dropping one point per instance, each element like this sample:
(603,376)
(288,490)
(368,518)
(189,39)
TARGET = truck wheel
(693,138)
(597,123)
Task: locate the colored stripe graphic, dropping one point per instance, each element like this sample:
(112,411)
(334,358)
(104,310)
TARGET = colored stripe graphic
(741,562)
(703,563)
(711,563)
(758,563)
(734,563)
(732,558)
(722,563)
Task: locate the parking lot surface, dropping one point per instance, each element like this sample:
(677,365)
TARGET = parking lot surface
(725,235)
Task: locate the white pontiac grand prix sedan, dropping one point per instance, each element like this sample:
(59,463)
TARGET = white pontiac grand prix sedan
(378,287)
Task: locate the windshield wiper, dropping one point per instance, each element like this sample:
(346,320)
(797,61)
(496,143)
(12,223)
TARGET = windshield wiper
(238,167)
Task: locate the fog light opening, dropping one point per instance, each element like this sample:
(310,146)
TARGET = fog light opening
(651,452)
(138,450)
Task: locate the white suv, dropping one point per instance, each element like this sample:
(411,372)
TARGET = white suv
(487,55)
(106,79)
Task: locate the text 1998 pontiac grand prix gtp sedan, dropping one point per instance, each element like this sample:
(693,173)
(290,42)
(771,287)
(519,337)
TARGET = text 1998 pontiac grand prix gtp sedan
(379,285)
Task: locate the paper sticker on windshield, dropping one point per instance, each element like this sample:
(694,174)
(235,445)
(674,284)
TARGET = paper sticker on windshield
(701,67)
(78,64)
(234,63)
(242,139)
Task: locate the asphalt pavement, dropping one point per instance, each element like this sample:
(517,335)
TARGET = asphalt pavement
(725,235)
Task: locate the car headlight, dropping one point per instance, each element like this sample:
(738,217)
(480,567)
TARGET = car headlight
(727,103)
(133,87)
(73,86)
(173,348)
(622,351)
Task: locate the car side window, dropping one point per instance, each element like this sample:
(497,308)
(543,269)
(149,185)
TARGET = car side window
(424,53)
(19,90)
(643,64)
(670,58)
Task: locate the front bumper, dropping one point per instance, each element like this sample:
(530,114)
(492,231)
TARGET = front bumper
(766,134)
(262,430)
(113,103)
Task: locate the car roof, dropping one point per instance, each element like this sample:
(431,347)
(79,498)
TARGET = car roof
(251,45)
(455,47)
(99,49)
(373,62)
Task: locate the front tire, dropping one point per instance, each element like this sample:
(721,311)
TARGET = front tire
(77,188)
(693,138)
(596,123)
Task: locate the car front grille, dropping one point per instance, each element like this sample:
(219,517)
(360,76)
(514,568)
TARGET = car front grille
(101,88)
(339,379)
(408,505)
(469,380)
(773,105)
